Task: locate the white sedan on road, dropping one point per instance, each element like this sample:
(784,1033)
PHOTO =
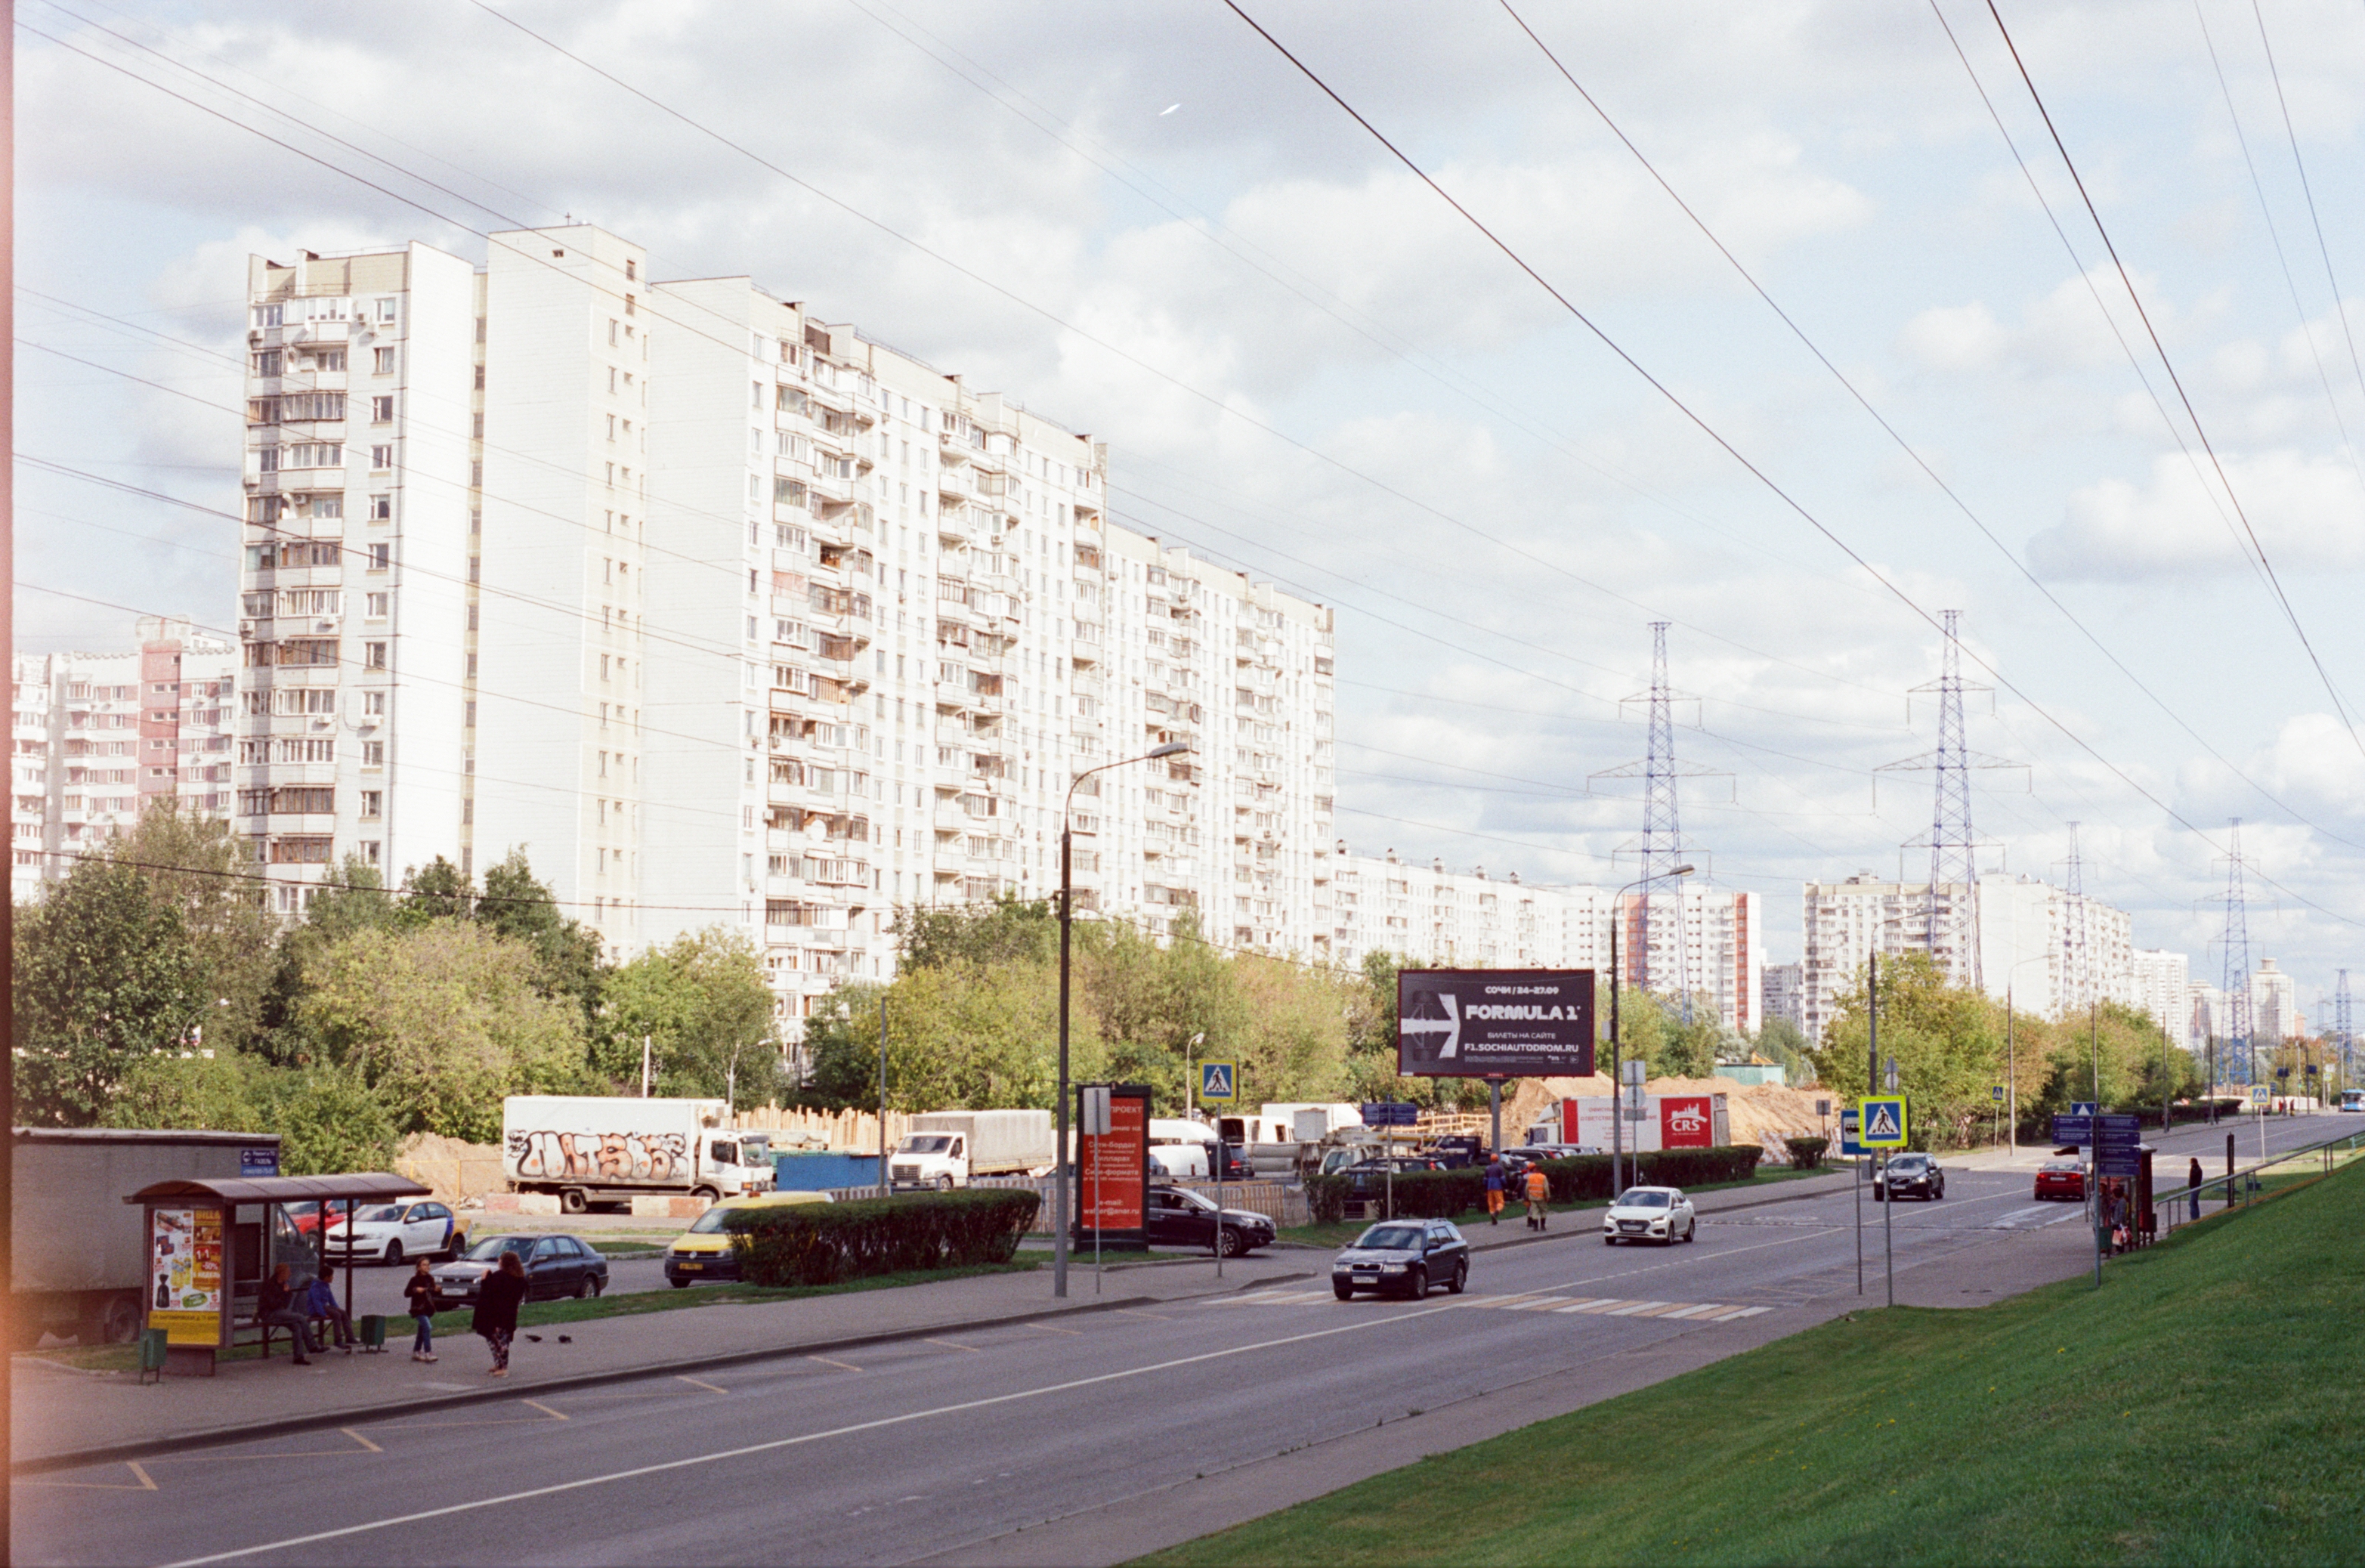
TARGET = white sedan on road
(1649,1214)
(392,1232)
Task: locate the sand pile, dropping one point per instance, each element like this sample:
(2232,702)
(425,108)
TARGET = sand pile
(1762,1113)
(456,1169)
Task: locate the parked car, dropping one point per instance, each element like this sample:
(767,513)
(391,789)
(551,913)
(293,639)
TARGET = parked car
(1649,1214)
(1180,1217)
(1556,1151)
(1367,1180)
(2062,1179)
(1402,1255)
(555,1266)
(704,1250)
(1456,1151)
(392,1232)
(1912,1176)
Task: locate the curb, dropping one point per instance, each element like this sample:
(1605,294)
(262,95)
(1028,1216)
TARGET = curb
(219,1437)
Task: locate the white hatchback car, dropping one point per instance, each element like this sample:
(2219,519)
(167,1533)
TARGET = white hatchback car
(392,1232)
(1649,1214)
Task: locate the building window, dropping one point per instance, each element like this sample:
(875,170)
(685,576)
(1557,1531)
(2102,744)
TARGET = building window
(381,557)
(329,506)
(382,411)
(382,362)
(381,508)
(370,851)
(376,605)
(373,804)
(269,315)
(381,458)
(267,361)
(384,313)
(630,269)
(373,753)
(373,656)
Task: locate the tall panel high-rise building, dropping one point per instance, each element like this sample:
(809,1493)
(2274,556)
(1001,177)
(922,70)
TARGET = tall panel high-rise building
(726,613)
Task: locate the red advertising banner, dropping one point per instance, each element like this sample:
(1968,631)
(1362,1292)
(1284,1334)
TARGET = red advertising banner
(1687,1120)
(1112,1184)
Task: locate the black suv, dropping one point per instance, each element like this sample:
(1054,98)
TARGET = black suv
(1180,1217)
(1909,1176)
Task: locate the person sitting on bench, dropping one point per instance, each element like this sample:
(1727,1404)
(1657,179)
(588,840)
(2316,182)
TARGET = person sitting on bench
(323,1308)
(276,1307)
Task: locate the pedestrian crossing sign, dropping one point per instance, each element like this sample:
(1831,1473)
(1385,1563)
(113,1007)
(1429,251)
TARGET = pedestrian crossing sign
(1883,1122)
(1219,1081)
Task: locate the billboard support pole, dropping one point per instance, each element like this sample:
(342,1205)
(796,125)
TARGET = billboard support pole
(1494,1105)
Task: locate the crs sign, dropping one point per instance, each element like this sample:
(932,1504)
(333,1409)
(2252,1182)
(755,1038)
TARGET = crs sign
(1686,1122)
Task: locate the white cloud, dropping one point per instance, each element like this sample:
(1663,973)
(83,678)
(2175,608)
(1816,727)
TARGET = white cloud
(2309,513)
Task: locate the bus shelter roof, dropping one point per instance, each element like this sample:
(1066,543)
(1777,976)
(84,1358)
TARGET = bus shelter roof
(359,1186)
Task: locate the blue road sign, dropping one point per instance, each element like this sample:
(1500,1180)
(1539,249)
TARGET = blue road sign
(1884,1121)
(1848,1142)
(2073,1129)
(254,1162)
(1390,1114)
(2084,1107)
(1219,1081)
(2118,1145)
(1996,1094)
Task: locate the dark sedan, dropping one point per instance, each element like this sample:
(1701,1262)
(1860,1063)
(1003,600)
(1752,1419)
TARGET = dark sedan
(555,1266)
(1909,1176)
(1180,1217)
(1406,1256)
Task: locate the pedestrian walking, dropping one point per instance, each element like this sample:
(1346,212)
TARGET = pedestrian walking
(496,1309)
(2192,1178)
(1539,1189)
(322,1307)
(420,1292)
(276,1307)
(1495,1191)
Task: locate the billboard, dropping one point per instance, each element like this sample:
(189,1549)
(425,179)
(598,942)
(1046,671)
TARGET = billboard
(1495,1023)
(1113,1169)
(1687,1120)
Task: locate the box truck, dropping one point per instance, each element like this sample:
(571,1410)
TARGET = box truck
(1668,1121)
(82,1252)
(608,1148)
(944,1148)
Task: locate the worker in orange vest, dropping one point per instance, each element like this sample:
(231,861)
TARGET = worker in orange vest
(1538,1189)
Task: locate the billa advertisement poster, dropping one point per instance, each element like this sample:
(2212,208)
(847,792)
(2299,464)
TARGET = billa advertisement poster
(185,1275)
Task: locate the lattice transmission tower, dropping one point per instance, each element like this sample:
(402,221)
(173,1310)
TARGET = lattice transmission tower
(1662,846)
(2077,976)
(1951,919)
(2235,942)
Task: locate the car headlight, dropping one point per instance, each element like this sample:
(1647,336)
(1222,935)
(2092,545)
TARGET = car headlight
(1392,1268)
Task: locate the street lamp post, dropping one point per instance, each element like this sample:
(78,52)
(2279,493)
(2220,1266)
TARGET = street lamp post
(1616,1078)
(1067,924)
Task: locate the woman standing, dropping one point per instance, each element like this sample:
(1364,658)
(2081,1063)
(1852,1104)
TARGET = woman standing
(496,1309)
(420,1292)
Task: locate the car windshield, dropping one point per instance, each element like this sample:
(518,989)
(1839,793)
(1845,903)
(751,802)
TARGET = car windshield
(490,1249)
(1392,1237)
(709,1221)
(379,1212)
(1642,1198)
(1194,1200)
(1908,1162)
(2061,1165)
(925,1145)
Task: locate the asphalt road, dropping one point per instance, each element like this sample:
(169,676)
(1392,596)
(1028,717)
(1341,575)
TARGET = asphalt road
(915,1448)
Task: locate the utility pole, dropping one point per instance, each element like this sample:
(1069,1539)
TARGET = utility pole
(884,1187)
(644,1067)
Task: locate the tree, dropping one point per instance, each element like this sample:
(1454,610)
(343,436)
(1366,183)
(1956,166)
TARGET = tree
(704,1005)
(442,1021)
(203,870)
(1948,1042)
(354,901)
(105,975)
(441,891)
(1004,930)
(522,909)
(328,1121)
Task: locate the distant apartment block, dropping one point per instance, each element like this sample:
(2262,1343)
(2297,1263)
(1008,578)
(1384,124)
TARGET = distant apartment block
(99,737)
(2163,982)
(1785,995)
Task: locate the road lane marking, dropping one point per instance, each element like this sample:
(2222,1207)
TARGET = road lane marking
(1053,1328)
(696,1382)
(842,1366)
(1635,1308)
(951,1345)
(538,1405)
(146,1482)
(1739,1313)
(1692,1311)
(1586,1303)
(1133,1312)
(357,1437)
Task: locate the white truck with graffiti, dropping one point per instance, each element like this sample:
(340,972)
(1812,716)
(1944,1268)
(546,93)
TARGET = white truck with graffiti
(608,1149)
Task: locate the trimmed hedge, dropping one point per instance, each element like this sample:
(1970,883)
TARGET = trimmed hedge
(1448,1195)
(1807,1153)
(821,1244)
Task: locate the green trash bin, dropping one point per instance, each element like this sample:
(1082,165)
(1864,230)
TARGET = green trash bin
(151,1354)
(373,1331)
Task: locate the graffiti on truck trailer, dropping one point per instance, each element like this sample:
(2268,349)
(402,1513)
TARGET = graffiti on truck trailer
(614,1157)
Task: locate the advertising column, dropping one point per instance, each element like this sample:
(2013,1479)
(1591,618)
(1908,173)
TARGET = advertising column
(1113,1170)
(186,1293)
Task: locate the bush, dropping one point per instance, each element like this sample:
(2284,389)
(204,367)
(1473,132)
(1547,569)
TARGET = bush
(1806,1153)
(1698,1167)
(1420,1194)
(821,1244)
(1585,1178)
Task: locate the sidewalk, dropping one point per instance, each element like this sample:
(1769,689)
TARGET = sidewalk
(63,1417)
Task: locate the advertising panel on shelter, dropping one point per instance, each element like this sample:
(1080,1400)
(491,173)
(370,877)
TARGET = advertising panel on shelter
(184,1270)
(1113,1167)
(1495,1023)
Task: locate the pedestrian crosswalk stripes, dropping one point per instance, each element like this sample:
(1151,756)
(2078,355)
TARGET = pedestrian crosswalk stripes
(1589,1307)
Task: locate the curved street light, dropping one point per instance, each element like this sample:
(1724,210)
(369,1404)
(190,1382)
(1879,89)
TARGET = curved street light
(1067,923)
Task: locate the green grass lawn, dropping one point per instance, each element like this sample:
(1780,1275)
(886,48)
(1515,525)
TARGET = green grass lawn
(534,1313)
(1515,1212)
(2200,1407)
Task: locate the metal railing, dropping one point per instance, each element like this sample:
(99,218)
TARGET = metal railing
(2246,1185)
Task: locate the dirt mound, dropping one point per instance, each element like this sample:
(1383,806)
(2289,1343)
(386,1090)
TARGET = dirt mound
(458,1171)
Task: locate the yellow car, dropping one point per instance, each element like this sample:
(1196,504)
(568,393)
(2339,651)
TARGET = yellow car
(704,1250)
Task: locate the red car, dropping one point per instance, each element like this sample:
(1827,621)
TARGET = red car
(2062,1179)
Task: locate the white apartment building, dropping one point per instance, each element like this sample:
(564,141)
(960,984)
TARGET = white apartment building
(1784,994)
(1466,920)
(2163,982)
(2275,1013)
(97,737)
(356,601)
(2025,945)
(734,615)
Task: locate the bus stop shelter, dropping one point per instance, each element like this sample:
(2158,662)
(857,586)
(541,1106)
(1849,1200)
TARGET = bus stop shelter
(212,1243)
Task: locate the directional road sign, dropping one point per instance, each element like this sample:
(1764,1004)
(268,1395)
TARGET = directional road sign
(1848,1142)
(2073,1129)
(1390,1112)
(2118,1142)
(1884,1121)
(1219,1081)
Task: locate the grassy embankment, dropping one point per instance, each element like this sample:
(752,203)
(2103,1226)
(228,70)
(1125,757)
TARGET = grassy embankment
(2200,1407)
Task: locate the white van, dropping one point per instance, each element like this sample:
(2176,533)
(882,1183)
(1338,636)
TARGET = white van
(1181,1149)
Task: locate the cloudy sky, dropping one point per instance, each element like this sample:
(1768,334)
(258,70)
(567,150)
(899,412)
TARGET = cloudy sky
(1144,221)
